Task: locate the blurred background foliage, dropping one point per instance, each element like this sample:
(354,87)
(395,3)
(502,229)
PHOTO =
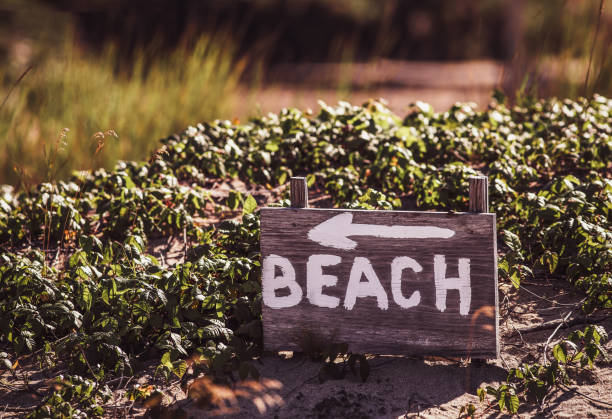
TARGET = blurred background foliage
(146,69)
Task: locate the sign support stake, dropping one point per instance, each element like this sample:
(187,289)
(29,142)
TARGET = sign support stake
(299,192)
(479,193)
(479,202)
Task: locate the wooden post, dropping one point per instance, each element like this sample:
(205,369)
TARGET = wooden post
(299,192)
(479,194)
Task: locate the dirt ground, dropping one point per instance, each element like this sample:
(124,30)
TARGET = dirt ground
(397,387)
(400,83)
(401,387)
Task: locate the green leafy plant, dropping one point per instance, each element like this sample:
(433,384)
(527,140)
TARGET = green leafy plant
(73,397)
(533,382)
(143,265)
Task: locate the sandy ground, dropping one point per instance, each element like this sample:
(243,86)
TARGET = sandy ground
(400,83)
(433,388)
(397,387)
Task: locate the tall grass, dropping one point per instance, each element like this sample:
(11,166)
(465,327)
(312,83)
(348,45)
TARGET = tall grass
(568,45)
(155,96)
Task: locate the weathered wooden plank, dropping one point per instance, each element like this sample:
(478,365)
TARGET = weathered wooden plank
(479,193)
(299,192)
(362,242)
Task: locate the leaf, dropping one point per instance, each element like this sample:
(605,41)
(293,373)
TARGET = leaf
(481,392)
(470,410)
(501,401)
(599,332)
(233,199)
(165,361)
(4,206)
(129,183)
(310,180)
(515,279)
(602,351)
(179,369)
(503,265)
(538,390)
(512,241)
(512,403)
(272,146)
(249,206)
(492,391)
(560,353)
(86,297)
(84,272)
(551,259)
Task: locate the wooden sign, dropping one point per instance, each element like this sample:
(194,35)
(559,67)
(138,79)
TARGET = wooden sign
(386,282)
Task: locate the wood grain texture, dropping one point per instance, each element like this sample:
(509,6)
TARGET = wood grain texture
(299,192)
(479,194)
(418,330)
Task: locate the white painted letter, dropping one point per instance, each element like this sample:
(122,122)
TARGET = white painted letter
(371,288)
(444,284)
(397,267)
(316,280)
(270,282)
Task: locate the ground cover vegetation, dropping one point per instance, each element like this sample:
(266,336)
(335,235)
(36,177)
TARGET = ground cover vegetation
(85,299)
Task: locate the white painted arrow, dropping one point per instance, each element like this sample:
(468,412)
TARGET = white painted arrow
(335,232)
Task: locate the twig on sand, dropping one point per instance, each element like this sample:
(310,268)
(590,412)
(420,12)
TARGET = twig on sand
(504,362)
(519,334)
(169,243)
(556,303)
(17,409)
(554,323)
(573,390)
(567,316)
